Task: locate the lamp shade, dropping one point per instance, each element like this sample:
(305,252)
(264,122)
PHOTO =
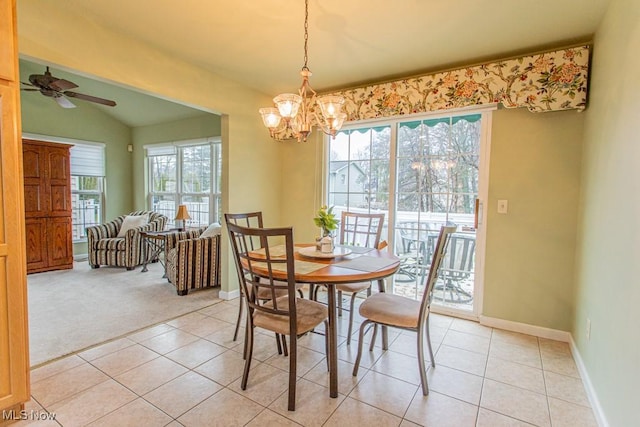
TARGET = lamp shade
(331,106)
(270,117)
(288,104)
(182,213)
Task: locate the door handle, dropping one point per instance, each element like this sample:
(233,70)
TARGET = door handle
(478,217)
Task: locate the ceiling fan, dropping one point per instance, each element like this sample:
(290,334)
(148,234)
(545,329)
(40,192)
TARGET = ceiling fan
(58,89)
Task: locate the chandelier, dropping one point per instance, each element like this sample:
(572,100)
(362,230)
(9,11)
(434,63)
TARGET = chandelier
(294,115)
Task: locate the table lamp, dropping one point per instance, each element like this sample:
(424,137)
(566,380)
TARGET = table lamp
(181,217)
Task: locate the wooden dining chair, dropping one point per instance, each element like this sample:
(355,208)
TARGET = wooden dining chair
(253,220)
(286,315)
(364,230)
(405,313)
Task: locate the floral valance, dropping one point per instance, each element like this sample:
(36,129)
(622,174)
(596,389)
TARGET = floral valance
(550,81)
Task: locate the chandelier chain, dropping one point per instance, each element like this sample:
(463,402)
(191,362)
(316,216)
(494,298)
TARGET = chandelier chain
(306,34)
(295,115)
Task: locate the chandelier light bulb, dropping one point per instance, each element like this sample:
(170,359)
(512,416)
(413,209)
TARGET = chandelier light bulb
(331,105)
(270,117)
(288,104)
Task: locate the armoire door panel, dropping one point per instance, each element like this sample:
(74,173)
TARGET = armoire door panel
(33,200)
(59,164)
(36,240)
(60,246)
(59,199)
(35,188)
(32,161)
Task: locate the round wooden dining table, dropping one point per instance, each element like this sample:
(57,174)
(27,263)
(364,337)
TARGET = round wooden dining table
(360,265)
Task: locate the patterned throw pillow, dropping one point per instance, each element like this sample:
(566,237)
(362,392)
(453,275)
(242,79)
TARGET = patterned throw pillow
(132,221)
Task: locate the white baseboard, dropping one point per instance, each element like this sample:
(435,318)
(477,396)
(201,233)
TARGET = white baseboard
(554,334)
(229,295)
(598,413)
(523,328)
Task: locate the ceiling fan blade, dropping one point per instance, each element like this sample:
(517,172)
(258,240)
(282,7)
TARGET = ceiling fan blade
(30,88)
(90,98)
(64,102)
(62,84)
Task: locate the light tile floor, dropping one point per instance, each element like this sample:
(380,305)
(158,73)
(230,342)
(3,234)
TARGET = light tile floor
(186,372)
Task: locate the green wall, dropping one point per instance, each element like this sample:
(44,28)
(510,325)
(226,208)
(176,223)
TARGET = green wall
(202,126)
(43,116)
(530,272)
(535,165)
(251,162)
(608,268)
(529,262)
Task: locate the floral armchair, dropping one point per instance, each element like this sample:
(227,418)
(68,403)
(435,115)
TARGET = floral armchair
(193,258)
(105,247)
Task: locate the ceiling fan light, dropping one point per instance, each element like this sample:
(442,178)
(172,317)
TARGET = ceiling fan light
(270,117)
(331,106)
(288,104)
(63,101)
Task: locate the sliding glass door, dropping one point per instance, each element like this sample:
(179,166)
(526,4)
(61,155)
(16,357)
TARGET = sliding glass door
(422,174)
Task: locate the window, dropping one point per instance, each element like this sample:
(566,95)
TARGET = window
(360,157)
(87,188)
(186,173)
(422,173)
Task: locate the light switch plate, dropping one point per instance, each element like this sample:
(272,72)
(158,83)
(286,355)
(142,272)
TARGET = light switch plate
(503,206)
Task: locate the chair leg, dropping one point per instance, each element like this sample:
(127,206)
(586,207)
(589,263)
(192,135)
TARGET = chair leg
(246,343)
(339,303)
(351,309)
(421,365)
(284,345)
(248,355)
(246,333)
(292,372)
(240,310)
(373,337)
(360,340)
(326,342)
(278,343)
(433,360)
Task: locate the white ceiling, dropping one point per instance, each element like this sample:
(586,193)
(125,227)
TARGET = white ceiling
(260,42)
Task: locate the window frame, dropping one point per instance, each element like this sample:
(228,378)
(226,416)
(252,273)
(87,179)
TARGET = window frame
(97,171)
(214,194)
(391,207)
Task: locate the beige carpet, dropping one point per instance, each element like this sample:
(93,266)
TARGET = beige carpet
(70,310)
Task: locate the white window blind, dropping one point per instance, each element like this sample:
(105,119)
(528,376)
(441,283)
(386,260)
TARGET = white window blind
(87,160)
(161,150)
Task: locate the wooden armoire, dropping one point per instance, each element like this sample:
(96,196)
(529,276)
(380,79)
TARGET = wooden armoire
(47,205)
